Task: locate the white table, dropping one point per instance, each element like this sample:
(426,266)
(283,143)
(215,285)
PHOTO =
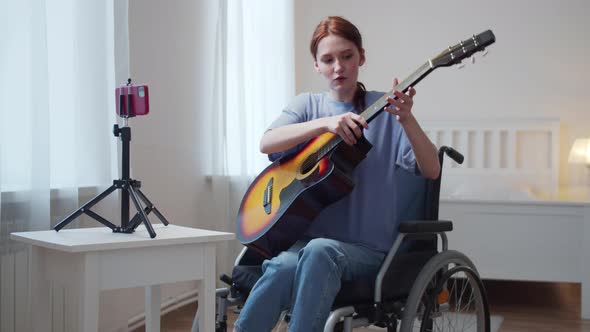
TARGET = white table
(89,260)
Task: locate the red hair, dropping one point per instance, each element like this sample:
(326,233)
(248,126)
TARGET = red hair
(336,25)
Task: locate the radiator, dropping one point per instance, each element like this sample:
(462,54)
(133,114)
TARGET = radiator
(18,214)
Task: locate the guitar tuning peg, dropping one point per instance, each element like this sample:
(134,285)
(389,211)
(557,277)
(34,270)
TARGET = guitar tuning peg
(460,65)
(485,52)
(472,59)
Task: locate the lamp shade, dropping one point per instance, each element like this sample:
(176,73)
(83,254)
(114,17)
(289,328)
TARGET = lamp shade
(580,152)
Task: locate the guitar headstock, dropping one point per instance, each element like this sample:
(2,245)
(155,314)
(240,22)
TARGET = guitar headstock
(455,54)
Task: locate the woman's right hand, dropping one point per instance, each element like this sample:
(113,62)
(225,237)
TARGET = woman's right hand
(347,126)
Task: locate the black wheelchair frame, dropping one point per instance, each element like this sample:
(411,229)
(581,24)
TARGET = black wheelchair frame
(435,289)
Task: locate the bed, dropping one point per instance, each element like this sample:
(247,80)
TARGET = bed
(505,202)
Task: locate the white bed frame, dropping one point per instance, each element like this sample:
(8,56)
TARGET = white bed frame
(524,151)
(528,239)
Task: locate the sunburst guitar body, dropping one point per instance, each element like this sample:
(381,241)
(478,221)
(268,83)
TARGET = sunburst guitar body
(285,198)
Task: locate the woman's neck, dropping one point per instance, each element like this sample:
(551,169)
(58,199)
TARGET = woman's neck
(344,96)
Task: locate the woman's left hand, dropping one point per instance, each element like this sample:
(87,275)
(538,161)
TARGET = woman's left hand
(402,106)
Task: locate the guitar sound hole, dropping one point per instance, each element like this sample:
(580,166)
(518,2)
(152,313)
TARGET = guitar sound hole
(309,163)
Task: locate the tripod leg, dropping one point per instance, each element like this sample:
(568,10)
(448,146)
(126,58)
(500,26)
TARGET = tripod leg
(152,207)
(139,208)
(124,207)
(100,219)
(85,208)
(136,220)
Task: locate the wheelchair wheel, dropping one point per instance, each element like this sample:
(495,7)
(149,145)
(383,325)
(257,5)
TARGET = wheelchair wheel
(448,295)
(220,323)
(219,326)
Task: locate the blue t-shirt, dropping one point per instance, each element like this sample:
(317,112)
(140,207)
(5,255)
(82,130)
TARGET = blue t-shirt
(370,214)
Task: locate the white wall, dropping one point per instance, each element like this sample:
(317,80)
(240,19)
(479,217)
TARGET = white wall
(538,66)
(167,52)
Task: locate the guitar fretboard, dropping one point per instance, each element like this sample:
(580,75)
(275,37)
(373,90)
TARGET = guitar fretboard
(377,107)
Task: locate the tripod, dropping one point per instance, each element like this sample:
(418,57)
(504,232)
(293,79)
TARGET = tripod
(130,189)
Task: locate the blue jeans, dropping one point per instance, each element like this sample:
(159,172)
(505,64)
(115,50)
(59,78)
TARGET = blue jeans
(305,280)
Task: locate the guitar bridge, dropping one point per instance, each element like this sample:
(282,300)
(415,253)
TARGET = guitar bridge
(267,201)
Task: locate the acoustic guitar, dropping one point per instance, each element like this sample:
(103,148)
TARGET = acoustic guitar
(285,198)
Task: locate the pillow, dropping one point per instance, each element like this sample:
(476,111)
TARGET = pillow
(488,188)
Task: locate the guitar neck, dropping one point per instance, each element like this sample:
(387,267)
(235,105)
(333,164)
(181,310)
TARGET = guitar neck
(377,107)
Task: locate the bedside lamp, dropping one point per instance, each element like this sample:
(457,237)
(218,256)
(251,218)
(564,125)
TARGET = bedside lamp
(580,152)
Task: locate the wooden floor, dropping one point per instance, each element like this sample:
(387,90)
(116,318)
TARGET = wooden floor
(539,307)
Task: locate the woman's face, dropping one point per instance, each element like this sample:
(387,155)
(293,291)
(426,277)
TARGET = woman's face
(338,60)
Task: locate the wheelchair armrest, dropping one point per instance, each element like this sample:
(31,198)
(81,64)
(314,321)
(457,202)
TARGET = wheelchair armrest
(411,229)
(423,226)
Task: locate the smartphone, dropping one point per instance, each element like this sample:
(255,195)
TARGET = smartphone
(132,100)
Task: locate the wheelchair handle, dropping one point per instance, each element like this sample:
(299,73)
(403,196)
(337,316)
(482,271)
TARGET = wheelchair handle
(452,153)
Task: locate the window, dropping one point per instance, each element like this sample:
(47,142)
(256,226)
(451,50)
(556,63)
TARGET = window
(254,80)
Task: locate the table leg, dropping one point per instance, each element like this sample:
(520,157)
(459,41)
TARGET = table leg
(585,299)
(207,290)
(90,294)
(153,299)
(40,304)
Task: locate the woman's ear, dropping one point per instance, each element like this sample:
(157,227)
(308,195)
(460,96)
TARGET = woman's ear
(362,60)
(316,67)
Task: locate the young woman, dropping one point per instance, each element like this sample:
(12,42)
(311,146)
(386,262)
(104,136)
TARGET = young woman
(349,239)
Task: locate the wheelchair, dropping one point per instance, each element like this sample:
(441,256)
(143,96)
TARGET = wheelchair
(418,287)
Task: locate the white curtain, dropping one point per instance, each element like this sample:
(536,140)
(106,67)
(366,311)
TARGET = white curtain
(57,65)
(252,79)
